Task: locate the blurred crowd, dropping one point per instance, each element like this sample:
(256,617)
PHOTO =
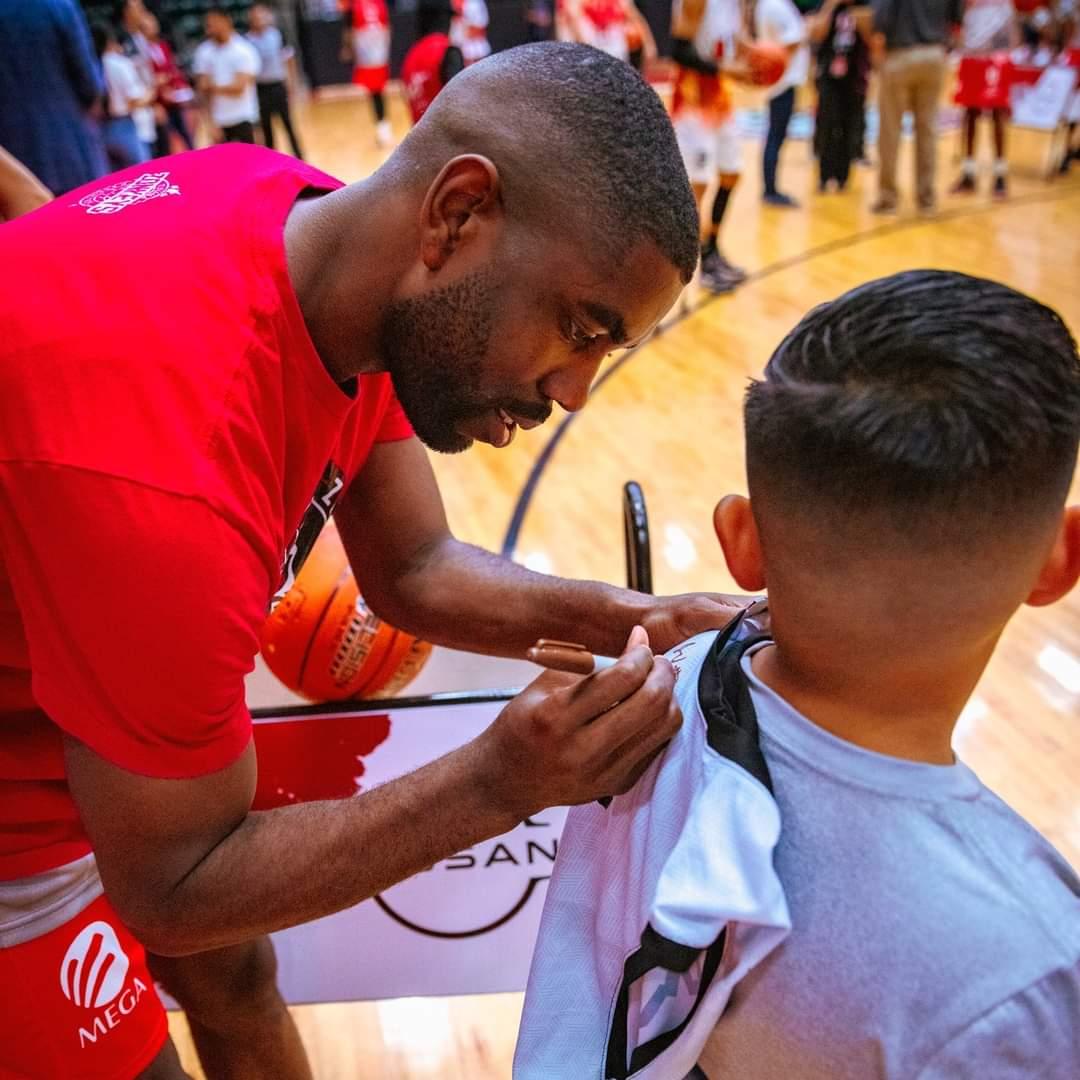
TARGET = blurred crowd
(79,99)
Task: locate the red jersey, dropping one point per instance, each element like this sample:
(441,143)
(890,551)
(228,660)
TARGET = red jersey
(170,443)
(371,44)
(421,72)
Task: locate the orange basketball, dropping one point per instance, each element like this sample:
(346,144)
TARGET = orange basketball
(767,61)
(323,642)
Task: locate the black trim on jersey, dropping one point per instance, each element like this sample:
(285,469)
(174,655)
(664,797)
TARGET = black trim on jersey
(731,726)
(732,732)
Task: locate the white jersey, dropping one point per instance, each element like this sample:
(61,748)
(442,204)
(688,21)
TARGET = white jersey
(652,891)
(720,25)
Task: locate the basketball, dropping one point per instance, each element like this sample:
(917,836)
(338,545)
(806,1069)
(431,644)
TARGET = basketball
(324,643)
(767,61)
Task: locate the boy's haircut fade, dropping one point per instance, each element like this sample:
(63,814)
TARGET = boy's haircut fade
(927,396)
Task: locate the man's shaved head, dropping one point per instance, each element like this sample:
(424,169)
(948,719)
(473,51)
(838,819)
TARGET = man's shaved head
(537,218)
(579,139)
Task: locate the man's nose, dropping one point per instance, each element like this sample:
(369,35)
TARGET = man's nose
(569,385)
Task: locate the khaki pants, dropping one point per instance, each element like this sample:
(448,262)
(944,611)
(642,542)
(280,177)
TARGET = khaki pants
(911,80)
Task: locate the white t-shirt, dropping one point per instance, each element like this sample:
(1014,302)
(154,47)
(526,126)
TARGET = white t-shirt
(468,31)
(221,64)
(124,85)
(987,25)
(779,21)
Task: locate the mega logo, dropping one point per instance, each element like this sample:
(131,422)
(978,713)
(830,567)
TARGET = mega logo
(479,889)
(92,976)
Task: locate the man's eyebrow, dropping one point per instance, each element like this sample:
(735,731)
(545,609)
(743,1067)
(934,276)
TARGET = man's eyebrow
(608,318)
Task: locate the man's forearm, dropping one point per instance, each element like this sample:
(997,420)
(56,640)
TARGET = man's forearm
(282,867)
(464,597)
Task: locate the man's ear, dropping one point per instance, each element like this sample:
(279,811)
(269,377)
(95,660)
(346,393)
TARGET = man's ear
(1061,570)
(738,535)
(467,190)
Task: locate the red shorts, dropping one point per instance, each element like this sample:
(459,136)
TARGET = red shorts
(79,1002)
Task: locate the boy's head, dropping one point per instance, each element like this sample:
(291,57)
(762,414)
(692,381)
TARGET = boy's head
(909,451)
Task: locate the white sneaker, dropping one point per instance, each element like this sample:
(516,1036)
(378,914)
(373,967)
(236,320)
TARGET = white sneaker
(384,134)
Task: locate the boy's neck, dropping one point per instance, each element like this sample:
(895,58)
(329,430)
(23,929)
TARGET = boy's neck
(884,707)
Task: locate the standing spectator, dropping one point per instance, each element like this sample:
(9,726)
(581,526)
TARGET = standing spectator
(128,101)
(174,93)
(225,67)
(539,20)
(468,29)
(780,22)
(271,84)
(49,82)
(615,27)
(842,61)
(990,26)
(916,33)
(367,44)
(130,19)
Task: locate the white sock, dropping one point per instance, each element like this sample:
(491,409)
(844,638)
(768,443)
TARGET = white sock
(968,168)
(1001,167)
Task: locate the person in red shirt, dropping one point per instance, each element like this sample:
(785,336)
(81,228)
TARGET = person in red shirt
(173,90)
(432,61)
(367,45)
(159,460)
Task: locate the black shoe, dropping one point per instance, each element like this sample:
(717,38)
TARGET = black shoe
(736,273)
(776,198)
(1001,188)
(964,186)
(718,275)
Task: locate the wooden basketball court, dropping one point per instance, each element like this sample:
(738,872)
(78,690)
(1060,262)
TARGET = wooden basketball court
(668,416)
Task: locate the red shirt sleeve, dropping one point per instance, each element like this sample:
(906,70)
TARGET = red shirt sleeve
(394,425)
(141,610)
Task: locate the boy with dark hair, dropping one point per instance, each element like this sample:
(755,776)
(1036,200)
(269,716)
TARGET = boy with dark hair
(909,452)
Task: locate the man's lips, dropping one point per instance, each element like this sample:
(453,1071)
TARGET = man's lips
(497,427)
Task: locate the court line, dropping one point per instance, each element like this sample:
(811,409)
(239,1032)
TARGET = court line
(536,471)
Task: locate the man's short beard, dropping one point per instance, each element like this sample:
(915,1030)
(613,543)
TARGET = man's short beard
(434,348)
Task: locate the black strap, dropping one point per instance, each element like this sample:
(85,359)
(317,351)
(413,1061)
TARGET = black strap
(731,725)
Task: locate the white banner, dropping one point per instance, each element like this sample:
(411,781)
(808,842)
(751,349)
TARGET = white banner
(465,926)
(1043,105)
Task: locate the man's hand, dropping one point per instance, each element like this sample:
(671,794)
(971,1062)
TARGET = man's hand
(567,740)
(673,619)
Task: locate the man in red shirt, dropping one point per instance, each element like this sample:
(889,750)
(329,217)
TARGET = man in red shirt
(166,441)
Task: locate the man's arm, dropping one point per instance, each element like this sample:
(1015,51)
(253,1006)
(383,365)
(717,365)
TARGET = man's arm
(189,868)
(237,87)
(417,576)
(20,190)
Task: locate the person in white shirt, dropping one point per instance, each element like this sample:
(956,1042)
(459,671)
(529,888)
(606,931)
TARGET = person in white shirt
(468,30)
(272,84)
(780,22)
(225,67)
(128,104)
(990,27)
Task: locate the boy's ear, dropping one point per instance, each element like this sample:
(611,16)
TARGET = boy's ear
(1062,567)
(738,535)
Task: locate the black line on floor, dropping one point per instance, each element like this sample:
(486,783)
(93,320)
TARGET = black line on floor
(532,481)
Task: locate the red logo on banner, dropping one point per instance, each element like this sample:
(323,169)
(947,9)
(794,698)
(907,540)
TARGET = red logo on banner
(317,758)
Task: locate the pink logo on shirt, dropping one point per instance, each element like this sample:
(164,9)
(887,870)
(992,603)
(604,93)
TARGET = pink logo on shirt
(117,197)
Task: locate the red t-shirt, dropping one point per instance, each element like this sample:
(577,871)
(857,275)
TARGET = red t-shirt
(170,444)
(420,73)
